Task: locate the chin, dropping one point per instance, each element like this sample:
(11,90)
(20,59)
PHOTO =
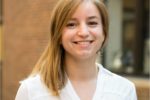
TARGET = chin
(86,56)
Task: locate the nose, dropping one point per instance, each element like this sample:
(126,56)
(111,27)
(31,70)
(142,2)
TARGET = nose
(83,31)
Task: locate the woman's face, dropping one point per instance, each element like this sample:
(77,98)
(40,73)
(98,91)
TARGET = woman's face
(83,36)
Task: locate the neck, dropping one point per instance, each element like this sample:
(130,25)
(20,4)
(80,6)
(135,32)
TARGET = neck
(78,70)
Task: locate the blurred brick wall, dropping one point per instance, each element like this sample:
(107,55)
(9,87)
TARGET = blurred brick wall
(26,28)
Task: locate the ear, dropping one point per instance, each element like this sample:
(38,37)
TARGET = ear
(103,43)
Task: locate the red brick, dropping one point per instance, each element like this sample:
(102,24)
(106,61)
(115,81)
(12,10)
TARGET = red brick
(26,29)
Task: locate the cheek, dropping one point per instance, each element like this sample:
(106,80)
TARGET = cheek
(64,35)
(98,33)
(67,36)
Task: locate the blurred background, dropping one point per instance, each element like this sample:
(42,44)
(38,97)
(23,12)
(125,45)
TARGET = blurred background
(24,29)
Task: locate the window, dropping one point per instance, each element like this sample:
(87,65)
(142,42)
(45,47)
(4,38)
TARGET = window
(128,51)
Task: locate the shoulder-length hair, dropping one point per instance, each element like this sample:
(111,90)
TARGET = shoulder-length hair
(50,66)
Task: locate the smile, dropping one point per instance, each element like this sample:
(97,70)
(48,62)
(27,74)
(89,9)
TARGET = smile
(83,42)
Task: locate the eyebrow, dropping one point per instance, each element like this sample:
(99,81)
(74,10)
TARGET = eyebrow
(91,17)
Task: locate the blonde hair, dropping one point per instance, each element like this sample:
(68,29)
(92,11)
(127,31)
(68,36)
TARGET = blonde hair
(50,66)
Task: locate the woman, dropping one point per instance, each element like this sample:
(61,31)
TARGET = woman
(67,69)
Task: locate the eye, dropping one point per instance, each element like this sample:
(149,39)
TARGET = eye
(71,25)
(92,23)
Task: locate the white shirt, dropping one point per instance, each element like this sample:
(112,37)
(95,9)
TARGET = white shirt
(109,87)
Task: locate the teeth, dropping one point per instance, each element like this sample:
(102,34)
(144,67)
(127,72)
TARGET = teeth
(83,42)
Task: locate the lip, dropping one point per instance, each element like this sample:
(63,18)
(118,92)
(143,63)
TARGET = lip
(83,42)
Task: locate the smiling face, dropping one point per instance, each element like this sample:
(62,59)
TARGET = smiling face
(83,35)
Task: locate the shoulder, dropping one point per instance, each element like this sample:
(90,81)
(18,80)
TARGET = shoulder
(115,83)
(34,89)
(33,82)
(113,77)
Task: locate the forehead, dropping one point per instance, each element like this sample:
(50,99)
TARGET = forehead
(86,8)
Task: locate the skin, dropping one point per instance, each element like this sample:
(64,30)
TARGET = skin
(82,38)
